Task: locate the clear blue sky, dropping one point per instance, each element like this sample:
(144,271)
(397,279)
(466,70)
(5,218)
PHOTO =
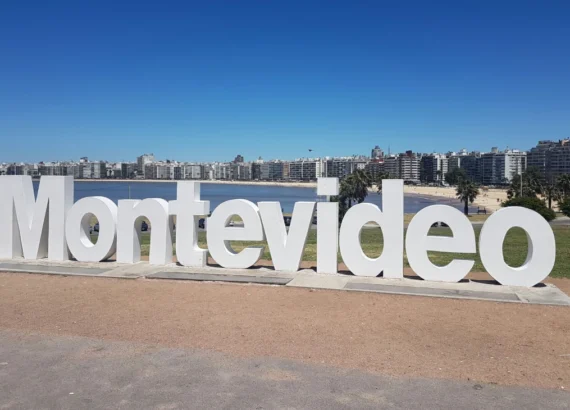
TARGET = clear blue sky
(208,80)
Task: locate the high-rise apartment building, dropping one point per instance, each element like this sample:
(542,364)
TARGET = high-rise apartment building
(391,166)
(499,167)
(551,158)
(128,170)
(376,153)
(305,169)
(375,168)
(343,166)
(142,161)
(193,171)
(433,168)
(409,167)
(241,171)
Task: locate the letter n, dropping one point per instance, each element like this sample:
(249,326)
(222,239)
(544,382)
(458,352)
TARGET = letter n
(34,228)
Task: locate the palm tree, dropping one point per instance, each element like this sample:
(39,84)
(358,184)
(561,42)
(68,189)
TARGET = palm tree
(381,176)
(532,184)
(563,186)
(355,187)
(550,192)
(466,192)
(534,180)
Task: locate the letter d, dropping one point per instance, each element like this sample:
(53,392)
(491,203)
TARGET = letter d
(391,221)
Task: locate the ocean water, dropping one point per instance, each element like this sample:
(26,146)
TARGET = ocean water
(218,193)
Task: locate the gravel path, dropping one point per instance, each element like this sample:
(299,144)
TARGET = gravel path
(403,336)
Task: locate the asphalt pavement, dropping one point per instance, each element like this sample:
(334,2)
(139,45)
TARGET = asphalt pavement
(57,372)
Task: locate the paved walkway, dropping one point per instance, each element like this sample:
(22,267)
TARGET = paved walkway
(403,336)
(56,372)
(476,288)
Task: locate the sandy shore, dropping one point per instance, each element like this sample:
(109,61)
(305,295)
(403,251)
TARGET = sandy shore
(490,199)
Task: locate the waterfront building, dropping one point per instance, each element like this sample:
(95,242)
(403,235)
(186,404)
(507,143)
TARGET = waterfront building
(22,169)
(274,170)
(260,170)
(55,169)
(409,167)
(92,170)
(453,162)
(343,166)
(391,166)
(193,171)
(142,162)
(551,158)
(222,170)
(433,168)
(128,170)
(240,171)
(285,169)
(375,168)
(472,165)
(499,167)
(306,169)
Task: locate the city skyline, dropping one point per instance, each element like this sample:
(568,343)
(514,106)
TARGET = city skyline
(205,81)
(551,159)
(309,154)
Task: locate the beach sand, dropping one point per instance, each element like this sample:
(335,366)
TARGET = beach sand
(488,198)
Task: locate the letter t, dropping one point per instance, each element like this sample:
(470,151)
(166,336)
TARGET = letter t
(187,208)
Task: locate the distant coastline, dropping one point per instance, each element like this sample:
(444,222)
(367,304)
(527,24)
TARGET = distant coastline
(210,181)
(490,199)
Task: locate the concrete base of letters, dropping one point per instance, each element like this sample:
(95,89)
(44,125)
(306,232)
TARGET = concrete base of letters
(544,294)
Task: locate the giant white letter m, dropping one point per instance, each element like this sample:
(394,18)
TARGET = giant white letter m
(34,228)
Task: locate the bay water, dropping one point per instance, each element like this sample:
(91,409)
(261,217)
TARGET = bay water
(218,193)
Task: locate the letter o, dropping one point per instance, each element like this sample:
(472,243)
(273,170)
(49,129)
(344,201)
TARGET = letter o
(77,227)
(541,247)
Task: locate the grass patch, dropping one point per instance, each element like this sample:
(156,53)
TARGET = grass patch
(514,248)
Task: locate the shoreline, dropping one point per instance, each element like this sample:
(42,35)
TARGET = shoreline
(207,181)
(490,199)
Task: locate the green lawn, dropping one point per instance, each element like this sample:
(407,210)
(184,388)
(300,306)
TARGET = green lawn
(514,247)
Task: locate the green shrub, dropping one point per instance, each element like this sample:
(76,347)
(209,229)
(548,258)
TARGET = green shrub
(534,203)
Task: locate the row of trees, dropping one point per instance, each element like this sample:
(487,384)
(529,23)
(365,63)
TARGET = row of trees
(533,191)
(531,184)
(355,187)
(529,190)
(526,190)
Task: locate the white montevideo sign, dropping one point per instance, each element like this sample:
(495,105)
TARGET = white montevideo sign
(52,226)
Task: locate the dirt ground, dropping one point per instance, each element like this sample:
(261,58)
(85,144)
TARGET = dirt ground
(403,336)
